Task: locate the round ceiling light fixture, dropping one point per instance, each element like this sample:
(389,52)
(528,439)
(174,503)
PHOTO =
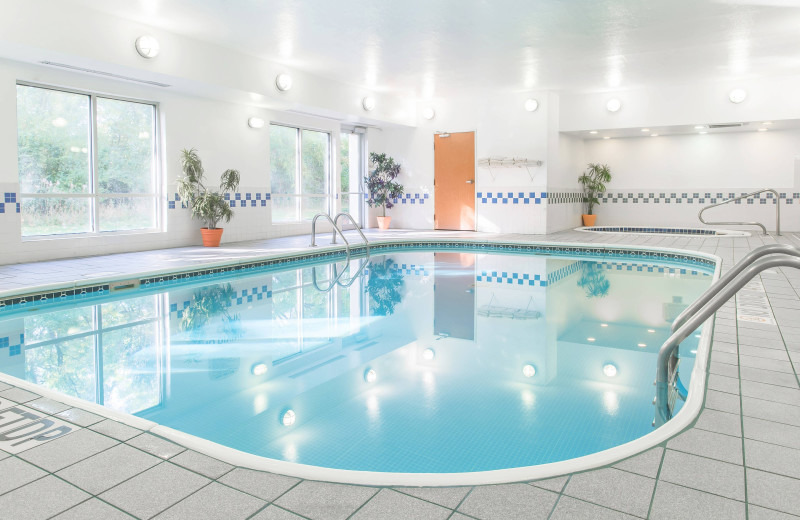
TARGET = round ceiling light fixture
(147,47)
(737,95)
(531,105)
(428,113)
(368,103)
(613,105)
(529,370)
(255,122)
(283,82)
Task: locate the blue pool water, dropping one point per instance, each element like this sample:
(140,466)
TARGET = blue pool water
(420,362)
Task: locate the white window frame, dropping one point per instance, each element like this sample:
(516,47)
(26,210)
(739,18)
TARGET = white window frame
(95,195)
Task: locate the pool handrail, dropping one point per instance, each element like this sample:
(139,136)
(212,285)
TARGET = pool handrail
(752,256)
(747,196)
(355,226)
(335,229)
(667,355)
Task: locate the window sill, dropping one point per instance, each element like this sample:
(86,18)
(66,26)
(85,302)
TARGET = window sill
(105,234)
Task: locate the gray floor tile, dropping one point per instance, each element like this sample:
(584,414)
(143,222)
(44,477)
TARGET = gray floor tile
(773,491)
(772,458)
(646,463)
(93,509)
(720,383)
(780,394)
(723,369)
(671,502)
(720,478)
(508,501)
(448,497)
(214,501)
(155,445)
(569,508)
(389,505)
(273,512)
(267,486)
(553,484)
(767,410)
(768,376)
(67,450)
(766,364)
(614,489)
(15,473)
(79,417)
(770,353)
(117,430)
(203,464)
(728,348)
(108,468)
(720,422)
(153,491)
(4,386)
(772,432)
(723,402)
(4,455)
(325,501)
(47,405)
(709,444)
(724,357)
(18,395)
(41,499)
(761,513)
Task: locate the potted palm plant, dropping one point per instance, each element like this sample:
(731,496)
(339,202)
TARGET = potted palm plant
(594,184)
(207,205)
(381,186)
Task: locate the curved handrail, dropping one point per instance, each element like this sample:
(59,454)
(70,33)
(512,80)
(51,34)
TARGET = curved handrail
(335,229)
(333,282)
(752,256)
(747,196)
(668,350)
(348,215)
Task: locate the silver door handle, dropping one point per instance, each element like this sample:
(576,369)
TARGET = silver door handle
(471,181)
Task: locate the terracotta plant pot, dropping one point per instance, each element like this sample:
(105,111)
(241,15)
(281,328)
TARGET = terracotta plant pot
(589,220)
(211,237)
(383,222)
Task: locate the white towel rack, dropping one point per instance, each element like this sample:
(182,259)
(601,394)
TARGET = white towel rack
(508,162)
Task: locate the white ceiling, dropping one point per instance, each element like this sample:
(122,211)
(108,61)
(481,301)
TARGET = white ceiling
(428,48)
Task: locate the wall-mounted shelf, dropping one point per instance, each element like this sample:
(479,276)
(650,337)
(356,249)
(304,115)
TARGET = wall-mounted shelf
(508,162)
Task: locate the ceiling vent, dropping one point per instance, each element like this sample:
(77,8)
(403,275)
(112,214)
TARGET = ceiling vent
(103,73)
(727,125)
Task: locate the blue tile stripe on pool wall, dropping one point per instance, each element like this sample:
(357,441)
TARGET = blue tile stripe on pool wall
(13,343)
(504,277)
(512,197)
(9,204)
(240,200)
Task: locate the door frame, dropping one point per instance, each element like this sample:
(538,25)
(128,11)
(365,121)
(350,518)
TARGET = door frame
(474,171)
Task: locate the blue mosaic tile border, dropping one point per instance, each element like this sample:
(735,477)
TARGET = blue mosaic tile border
(512,197)
(670,231)
(694,198)
(14,303)
(13,343)
(242,200)
(411,198)
(9,199)
(563,273)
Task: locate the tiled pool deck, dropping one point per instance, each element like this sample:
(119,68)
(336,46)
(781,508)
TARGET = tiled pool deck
(741,459)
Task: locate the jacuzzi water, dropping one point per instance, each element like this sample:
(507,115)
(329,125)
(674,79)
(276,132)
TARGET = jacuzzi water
(428,362)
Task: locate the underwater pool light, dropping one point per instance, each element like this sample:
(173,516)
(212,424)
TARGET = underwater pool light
(428,354)
(641,345)
(288,418)
(529,370)
(370,376)
(610,370)
(589,339)
(259,369)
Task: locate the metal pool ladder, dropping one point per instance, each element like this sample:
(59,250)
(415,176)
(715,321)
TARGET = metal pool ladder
(667,380)
(747,196)
(337,229)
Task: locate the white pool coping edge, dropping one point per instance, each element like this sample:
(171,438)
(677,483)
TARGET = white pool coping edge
(684,418)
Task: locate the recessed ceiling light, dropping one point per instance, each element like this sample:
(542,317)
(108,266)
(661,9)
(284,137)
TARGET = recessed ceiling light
(609,370)
(368,103)
(763,129)
(645,129)
(531,105)
(613,105)
(606,137)
(592,132)
(428,113)
(147,47)
(283,82)
(737,95)
(529,370)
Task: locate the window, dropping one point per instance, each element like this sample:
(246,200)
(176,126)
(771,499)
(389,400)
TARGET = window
(87,163)
(351,156)
(300,173)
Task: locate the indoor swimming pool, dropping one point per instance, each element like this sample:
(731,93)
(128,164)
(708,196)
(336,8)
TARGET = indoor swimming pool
(410,361)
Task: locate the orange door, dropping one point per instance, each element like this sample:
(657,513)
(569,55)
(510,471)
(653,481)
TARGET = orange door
(454,181)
